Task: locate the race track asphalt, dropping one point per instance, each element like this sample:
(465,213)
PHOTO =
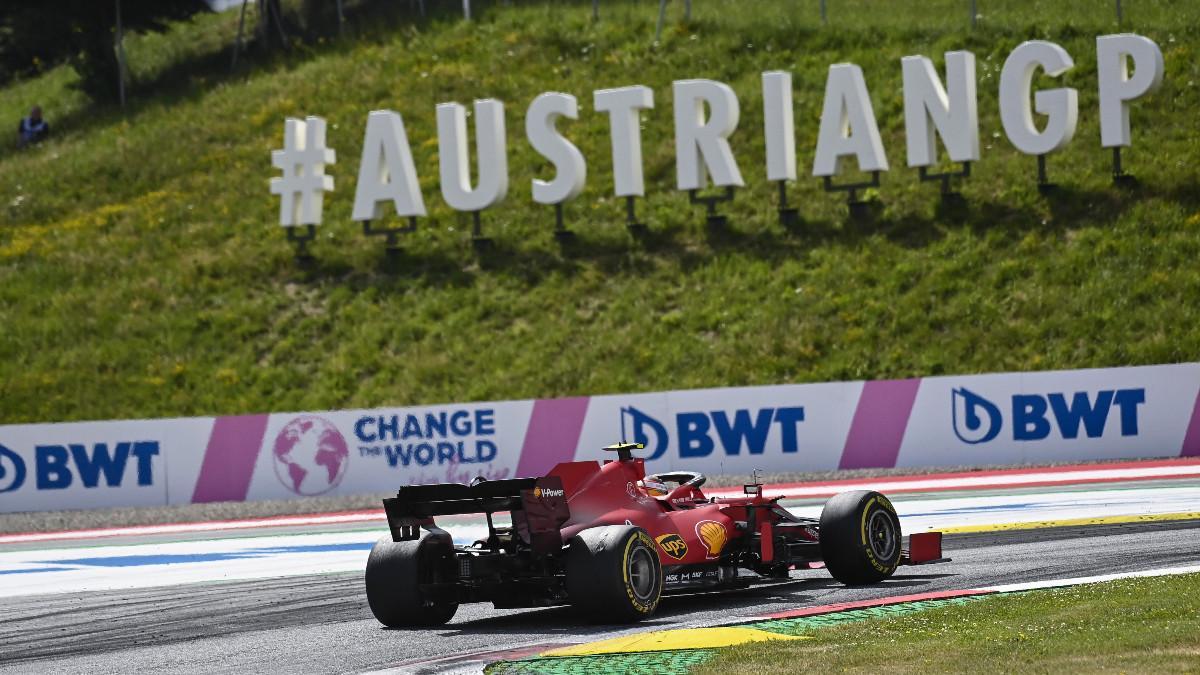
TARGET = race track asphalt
(321,624)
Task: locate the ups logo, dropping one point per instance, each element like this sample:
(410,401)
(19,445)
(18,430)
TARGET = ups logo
(673,545)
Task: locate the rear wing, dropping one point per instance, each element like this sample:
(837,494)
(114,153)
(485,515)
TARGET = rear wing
(538,507)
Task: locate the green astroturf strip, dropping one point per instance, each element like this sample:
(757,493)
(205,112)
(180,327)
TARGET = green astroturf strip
(807,624)
(650,663)
(680,661)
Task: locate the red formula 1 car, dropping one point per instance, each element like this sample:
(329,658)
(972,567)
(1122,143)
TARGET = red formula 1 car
(611,540)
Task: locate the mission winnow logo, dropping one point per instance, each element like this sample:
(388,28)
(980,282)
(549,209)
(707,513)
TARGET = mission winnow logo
(1034,417)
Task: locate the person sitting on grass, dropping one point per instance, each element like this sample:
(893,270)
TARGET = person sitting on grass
(32,129)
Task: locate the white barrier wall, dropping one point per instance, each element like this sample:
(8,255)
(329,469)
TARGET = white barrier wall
(1148,411)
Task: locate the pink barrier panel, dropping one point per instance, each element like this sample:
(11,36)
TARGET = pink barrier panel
(879,424)
(229,459)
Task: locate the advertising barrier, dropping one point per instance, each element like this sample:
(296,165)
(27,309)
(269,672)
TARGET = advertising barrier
(1135,412)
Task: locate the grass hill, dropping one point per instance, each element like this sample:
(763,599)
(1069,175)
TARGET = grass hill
(142,272)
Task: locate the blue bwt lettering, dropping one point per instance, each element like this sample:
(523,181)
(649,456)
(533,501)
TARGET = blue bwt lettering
(693,435)
(96,467)
(52,470)
(1032,413)
(754,434)
(747,430)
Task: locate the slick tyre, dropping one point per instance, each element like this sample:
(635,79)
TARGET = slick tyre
(860,537)
(395,569)
(614,574)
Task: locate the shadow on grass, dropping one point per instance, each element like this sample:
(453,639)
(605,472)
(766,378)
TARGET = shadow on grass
(189,79)
(1068,208)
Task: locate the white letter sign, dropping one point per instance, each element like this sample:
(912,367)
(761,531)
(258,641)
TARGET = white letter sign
(848,126)
(779,125)
(623,106)
(1061,106)
(1117,88)
(540,121)
(303,185)
(700,143)
(489,145)
(931,110)
(386,172)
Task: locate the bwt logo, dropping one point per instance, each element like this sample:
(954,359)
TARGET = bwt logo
(978,420)
(53,465)
(12,470)
(695,430)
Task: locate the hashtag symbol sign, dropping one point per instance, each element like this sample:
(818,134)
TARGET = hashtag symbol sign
(303,185)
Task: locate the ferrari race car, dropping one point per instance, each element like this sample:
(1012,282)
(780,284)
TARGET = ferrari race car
(611,540)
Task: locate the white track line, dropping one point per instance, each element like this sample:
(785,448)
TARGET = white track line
(375,516)
(1076,581)
(974,482)
(1016,479)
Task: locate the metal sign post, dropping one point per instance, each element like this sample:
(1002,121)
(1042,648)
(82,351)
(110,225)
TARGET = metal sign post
(789,216)
(300,243)
(638,230)
(120,56)
(391,235)
(561,233)
(944,178)
(714,219)
(858,208)
(1043,182)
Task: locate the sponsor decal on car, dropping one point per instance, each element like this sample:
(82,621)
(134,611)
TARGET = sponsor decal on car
(673,545)
(691,577)
(636,494)
(713,535)
(543,493)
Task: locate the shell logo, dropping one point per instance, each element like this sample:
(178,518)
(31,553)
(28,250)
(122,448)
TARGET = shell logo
(713,535)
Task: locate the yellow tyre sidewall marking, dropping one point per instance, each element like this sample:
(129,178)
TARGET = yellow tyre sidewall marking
(638,605)
(866,541)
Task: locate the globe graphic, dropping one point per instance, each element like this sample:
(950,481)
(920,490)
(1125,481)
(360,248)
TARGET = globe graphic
(310,456)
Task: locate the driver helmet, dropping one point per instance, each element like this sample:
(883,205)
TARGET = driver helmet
(654,488)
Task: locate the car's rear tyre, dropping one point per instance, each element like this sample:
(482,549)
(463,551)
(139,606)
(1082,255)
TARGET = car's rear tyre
(614,574)
(395,569)
(860,537)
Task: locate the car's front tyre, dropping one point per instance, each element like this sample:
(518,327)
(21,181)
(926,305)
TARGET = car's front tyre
(860,537)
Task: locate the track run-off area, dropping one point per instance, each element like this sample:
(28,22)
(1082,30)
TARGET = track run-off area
(286,593)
